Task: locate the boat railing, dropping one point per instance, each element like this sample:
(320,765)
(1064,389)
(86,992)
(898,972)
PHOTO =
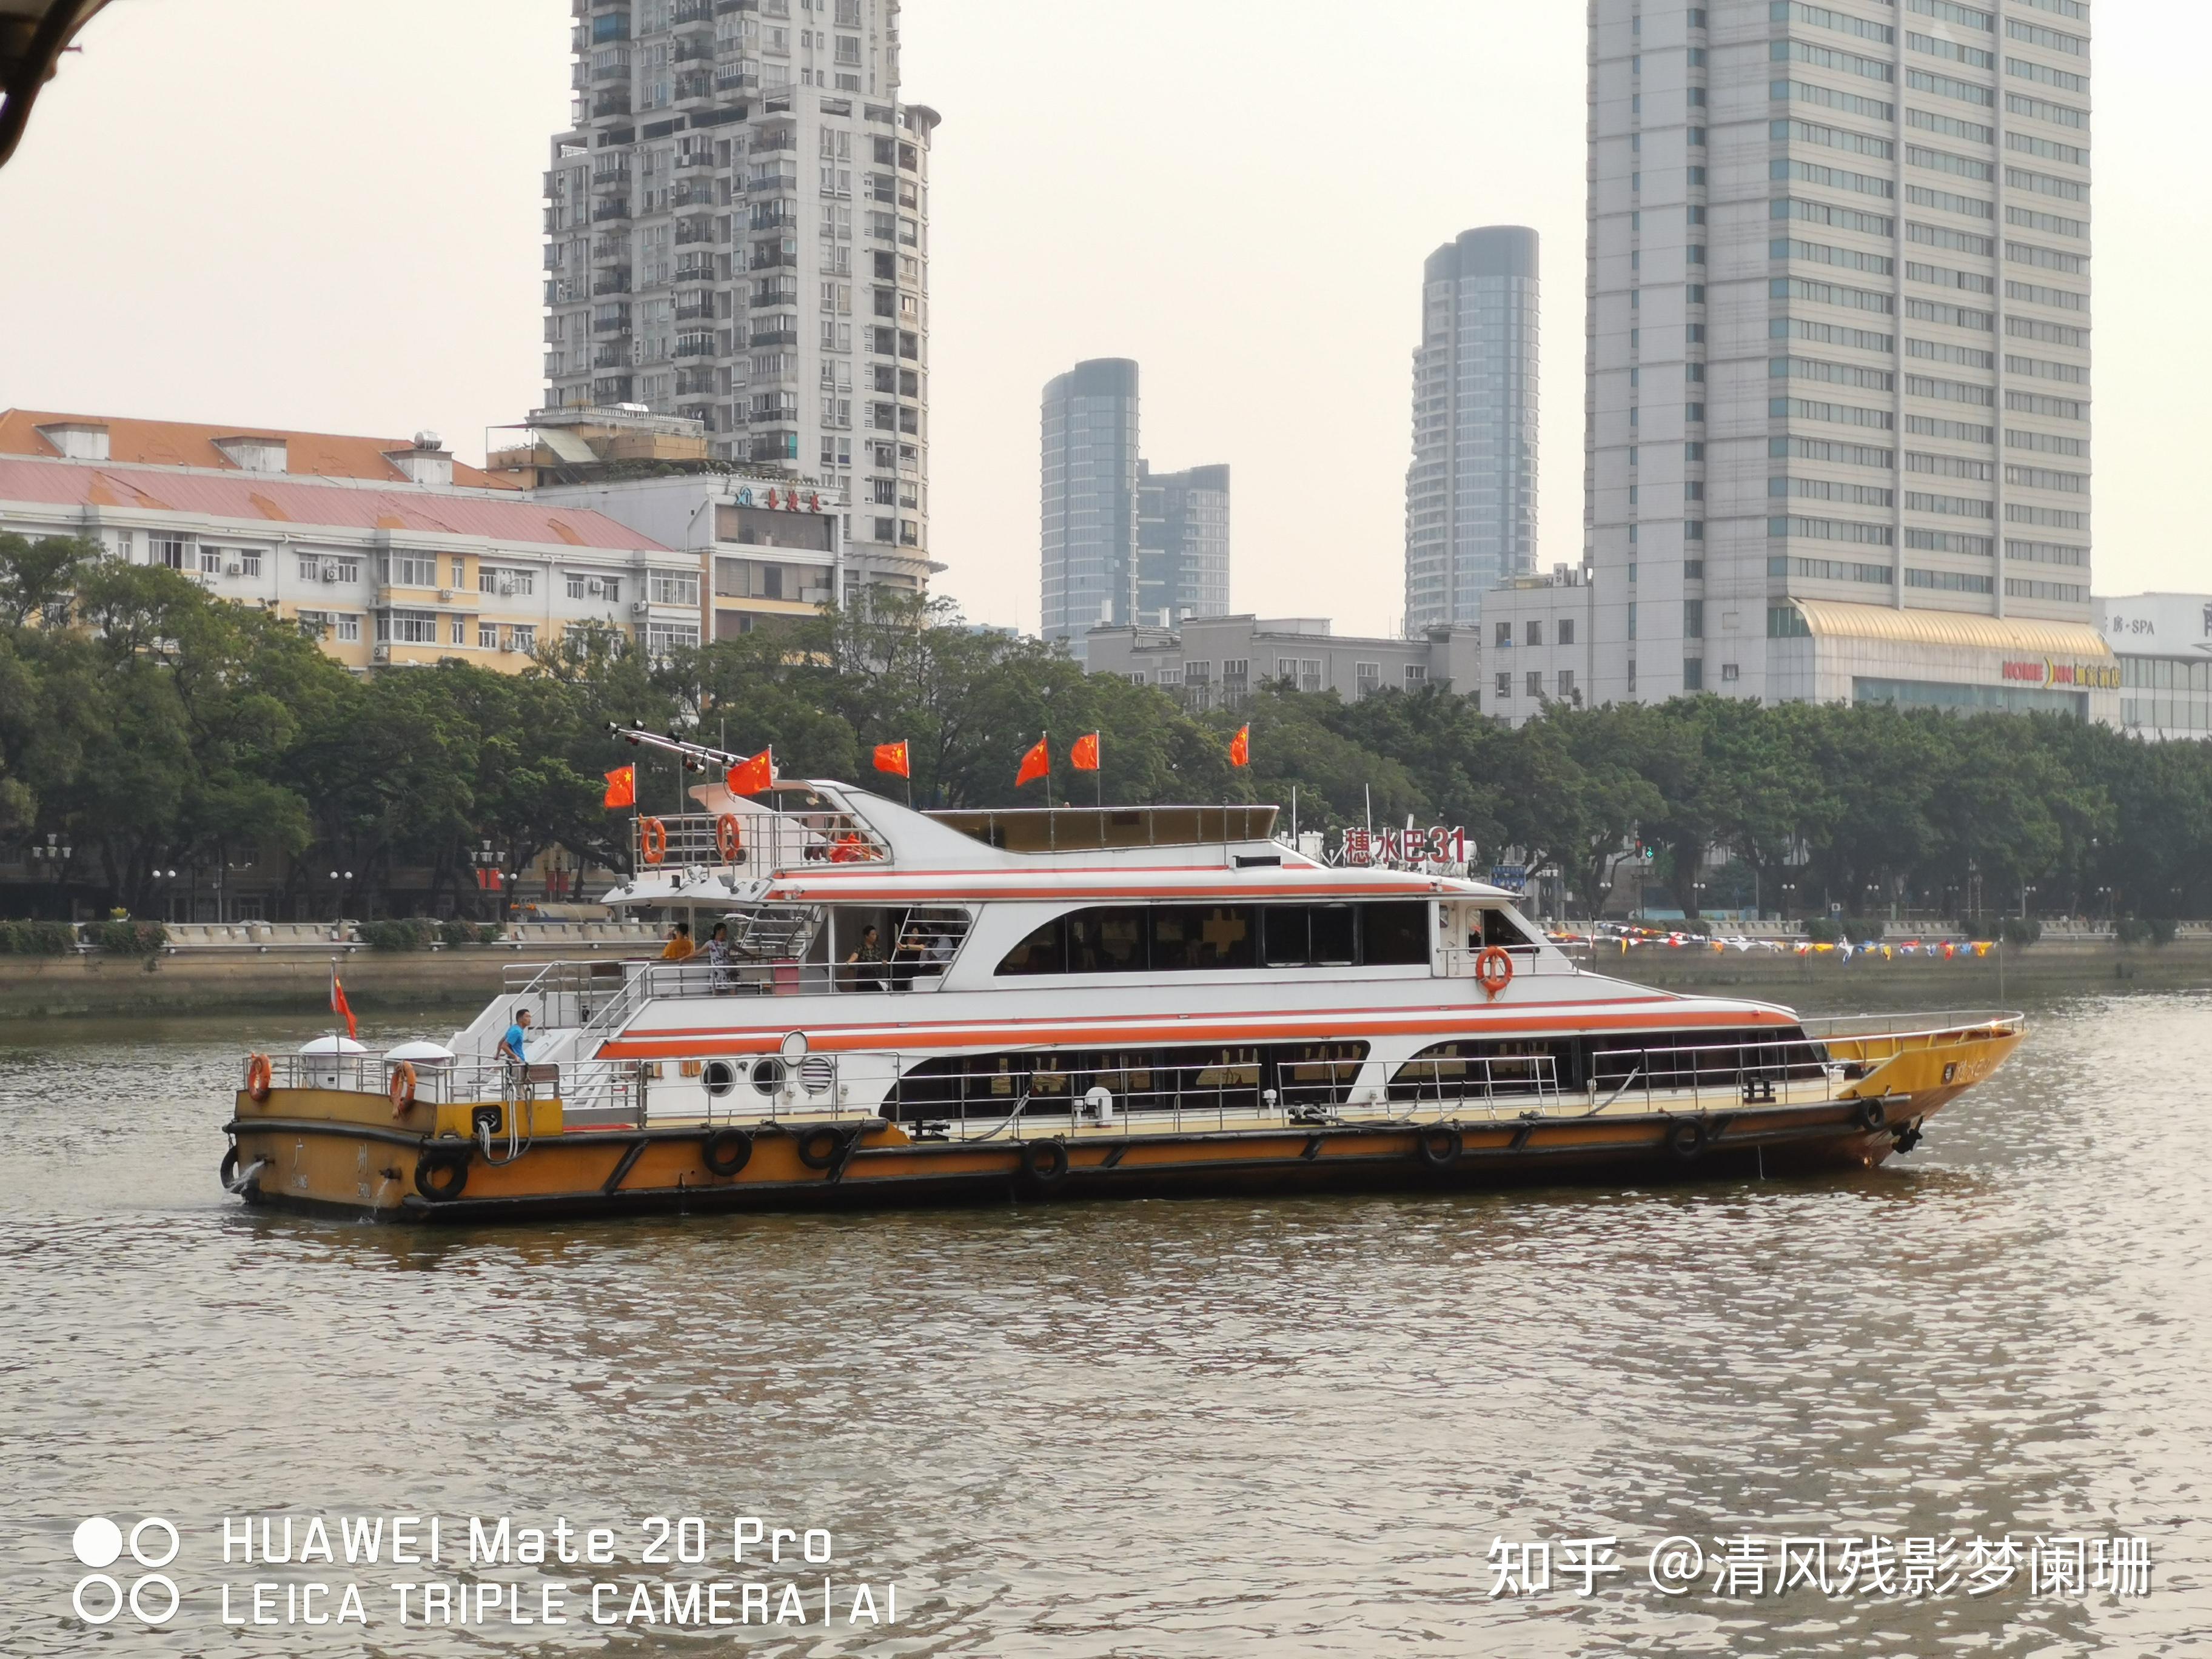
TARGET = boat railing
(747,845)
(1491,1080)
(579,1084)
(1920,1028)
(1461,961)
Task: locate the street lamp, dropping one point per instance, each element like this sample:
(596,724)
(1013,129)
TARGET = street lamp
(1788,899)
(337,877)
(2025,890)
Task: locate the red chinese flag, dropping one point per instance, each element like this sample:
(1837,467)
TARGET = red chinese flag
(750,777)
(1035,764)
(1084,756)
(1240,747)
(891,757)
(621,787)
(339,1005)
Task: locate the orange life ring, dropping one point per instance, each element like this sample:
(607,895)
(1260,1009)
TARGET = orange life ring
(257,1078)
(653,839)
(1494,968)
(848,849)
(402,1087)
(730,838)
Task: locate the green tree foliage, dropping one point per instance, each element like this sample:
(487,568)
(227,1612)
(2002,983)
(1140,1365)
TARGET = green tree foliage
(157,726)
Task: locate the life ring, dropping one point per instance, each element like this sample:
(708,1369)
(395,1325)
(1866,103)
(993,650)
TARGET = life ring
(1871,1116)
(652,839)
(1494,968)
(818,1148)
(730,838)
(1044,1162)
(1439,1148)
(1686,1138)
(403,1088)
(441,1175)
(725,1151)
(259,1078)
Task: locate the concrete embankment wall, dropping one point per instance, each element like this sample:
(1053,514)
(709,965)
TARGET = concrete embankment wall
(380,982)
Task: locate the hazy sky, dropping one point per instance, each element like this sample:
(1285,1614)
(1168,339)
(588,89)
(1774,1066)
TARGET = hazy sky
(307,214)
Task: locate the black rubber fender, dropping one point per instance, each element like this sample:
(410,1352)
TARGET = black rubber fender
(1686,1138)
(818,1148)
(1439,1148)
(1044,1162)
(441,1175)
(725,1151)
(1871,1116)
(229,1167)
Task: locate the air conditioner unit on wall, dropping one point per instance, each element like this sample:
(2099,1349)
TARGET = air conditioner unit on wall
(639,607)
(234,569)
(329,573)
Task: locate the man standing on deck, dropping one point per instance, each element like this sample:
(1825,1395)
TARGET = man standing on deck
(510,1046)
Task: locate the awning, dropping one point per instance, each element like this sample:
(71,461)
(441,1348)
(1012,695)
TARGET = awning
(1835,619)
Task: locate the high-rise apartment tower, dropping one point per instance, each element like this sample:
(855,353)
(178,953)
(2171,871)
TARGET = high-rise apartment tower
(737,231)
(1182,544)
(1836,437)
(1089,543)
(1471,490)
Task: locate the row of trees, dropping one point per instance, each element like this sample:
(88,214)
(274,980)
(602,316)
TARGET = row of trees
(172,729)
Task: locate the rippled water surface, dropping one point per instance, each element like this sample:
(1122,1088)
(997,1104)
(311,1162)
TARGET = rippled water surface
(1160,1428)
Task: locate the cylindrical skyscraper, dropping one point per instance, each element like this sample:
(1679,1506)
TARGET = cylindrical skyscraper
(1471,490)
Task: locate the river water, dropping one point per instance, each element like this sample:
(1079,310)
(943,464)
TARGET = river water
(1188,1428)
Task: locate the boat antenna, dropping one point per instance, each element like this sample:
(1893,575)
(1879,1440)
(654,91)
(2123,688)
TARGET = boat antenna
(695,756)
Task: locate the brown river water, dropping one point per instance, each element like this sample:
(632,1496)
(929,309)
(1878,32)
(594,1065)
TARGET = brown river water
(1186,1428)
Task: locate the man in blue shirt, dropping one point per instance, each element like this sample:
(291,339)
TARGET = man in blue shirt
(510,1046)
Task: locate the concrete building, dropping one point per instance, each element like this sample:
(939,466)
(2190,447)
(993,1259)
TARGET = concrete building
(387,551)
(1837,347)
(1182,544)
(736,232)
(1471,489)
(766,549)
(1089,500)
(1217,661)
(1536,633)
(2164,644)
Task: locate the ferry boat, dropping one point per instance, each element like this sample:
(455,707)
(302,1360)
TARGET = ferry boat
(903,1007)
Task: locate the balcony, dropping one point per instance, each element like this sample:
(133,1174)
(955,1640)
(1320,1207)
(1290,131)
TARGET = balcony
(610,206)
(694,382)
(775,336)
(558,292)
(695,158)
(737,80)
(618,69)
(610,249)
(774,293)
(724,7)
(694,84)
(691,231)
(613,282)
(619,325)
(693,48)
(693,11)
(776,447)
(693,192)
(694,345)
(765,184)
(773,258)
(698,309)
(615,101)
(772,141)
(610,356)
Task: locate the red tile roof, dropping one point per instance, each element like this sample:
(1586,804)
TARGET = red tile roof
(284,500)
(181,443)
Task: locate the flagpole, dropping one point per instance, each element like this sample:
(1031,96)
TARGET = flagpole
(1046,739)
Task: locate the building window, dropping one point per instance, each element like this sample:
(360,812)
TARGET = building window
(1535,681)
(1566,683)
(406,628)
(1505,686)
(347,629)
(1504,640)
(249,562)
(1367,678)
(458,634)
(663,638)
(406,570)
(1416,673)
(506,582)
(582,585)
(1632,677)
(1693,619)
(1566,631)
(675,587)
(487,637)
(460,574)
(525,637)
(1693,673)
(1729,671)
(1533,631)
(172,551)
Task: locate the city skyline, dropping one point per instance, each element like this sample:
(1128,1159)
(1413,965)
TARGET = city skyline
(435,336)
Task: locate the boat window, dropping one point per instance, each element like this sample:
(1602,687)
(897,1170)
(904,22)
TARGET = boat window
(1395,934)
(1044,951)
(1171,937)
(1311,935)
(1202,936)
(1451,1071)
(1199,1079)
(1496,927)
(1106,941)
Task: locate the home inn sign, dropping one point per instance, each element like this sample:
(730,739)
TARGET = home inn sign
(2045,671)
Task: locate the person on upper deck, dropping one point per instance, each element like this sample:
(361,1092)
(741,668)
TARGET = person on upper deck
(867,962)
(679,947)
(720,958)
(518,1034)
